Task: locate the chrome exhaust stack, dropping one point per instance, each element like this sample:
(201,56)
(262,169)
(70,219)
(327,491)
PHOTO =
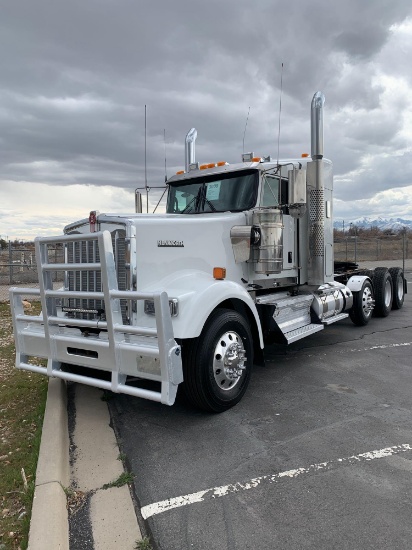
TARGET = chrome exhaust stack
(319,266)
(317,126)
(190,148)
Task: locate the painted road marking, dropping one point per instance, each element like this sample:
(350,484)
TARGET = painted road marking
(354,350)
(384,346)
(224,490)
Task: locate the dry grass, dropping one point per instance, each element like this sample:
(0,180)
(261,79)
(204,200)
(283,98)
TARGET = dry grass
(22,403)
(372,249)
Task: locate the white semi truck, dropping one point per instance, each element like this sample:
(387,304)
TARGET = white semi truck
(243,257)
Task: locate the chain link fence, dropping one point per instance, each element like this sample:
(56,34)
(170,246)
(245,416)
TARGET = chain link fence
(355,249)
(18,267)
(18,264)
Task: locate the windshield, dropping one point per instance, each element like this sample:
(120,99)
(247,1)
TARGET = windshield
(216,193)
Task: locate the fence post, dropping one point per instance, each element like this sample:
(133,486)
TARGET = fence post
(10,265)
(356,247)
(346,248)
(403,249)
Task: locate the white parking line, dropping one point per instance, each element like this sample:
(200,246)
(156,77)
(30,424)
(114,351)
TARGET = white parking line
(384,346)
(356,350)
(217,492)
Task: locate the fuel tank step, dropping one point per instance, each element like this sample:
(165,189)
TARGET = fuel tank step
(335,318)
(291,314)
(302,332)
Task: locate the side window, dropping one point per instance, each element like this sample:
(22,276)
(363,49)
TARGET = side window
(270,194)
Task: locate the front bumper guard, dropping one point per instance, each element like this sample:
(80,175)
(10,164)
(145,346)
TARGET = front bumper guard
(119,349)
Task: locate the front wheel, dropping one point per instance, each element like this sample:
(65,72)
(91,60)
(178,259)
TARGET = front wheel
(217,365)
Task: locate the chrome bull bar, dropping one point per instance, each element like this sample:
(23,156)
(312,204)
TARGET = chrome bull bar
(113,347)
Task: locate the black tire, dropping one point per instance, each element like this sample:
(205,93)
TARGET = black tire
(382,285)
(398,284)
(225,336)
(361,311)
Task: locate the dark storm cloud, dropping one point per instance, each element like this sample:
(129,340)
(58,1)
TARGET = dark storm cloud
(75,77)
(383,173)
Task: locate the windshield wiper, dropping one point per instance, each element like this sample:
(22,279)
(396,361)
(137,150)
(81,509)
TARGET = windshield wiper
(199,199)
(205,199)
(196,198)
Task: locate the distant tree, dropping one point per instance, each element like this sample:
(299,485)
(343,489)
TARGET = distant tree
(374,231)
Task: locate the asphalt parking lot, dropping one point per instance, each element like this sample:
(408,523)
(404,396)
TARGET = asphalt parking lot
(318,454)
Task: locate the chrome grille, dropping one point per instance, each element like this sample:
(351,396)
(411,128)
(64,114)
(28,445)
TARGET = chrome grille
(88,252)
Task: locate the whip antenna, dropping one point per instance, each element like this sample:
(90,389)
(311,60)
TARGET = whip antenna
(244,133)
(145,159)
(280,108)
(164,139)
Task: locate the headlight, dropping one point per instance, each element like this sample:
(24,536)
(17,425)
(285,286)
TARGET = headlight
(149,307)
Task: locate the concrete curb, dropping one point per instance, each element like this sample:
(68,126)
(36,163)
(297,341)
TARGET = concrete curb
(94,466)
(49,526)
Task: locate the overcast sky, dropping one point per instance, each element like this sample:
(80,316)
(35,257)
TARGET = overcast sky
(75,78)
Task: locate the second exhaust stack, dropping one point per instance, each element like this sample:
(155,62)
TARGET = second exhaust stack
(317,125)
(190,148)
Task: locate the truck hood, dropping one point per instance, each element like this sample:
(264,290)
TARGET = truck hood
(171,243)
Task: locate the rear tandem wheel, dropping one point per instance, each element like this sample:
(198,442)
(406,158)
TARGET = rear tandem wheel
(398,283)
(363,302)
(382,285)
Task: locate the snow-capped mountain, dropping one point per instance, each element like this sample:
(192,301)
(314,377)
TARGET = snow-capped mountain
(393,224)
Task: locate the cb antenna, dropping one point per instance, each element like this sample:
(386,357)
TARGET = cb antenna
(280,109)
(244,133)
(145,159)
(164,139)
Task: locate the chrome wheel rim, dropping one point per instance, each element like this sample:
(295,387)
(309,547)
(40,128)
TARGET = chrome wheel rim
(367,301)
(388,293)
(229,360)
(400,289)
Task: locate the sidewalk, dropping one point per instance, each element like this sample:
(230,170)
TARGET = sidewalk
(90,480)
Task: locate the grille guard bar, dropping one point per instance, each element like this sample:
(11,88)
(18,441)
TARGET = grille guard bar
(50,336)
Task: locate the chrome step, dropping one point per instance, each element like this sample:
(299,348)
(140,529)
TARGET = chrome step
(335,318)
(302,332)
(291,314)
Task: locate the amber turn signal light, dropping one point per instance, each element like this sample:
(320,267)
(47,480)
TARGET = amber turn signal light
(219,273)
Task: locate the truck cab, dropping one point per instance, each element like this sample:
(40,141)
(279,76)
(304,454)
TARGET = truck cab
(242,257)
